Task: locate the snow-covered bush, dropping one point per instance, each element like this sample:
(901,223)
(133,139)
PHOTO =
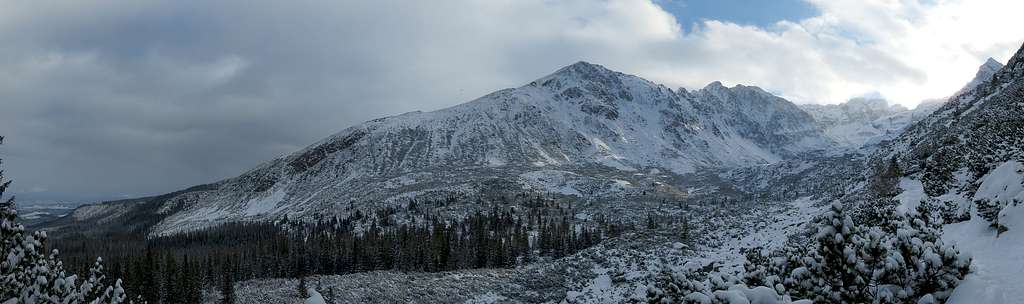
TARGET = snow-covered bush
(844,263)
(29,276)
(989,210)
(692,286)
(921,264)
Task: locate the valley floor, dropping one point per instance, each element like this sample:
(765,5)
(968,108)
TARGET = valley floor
(619,269)
(611,272)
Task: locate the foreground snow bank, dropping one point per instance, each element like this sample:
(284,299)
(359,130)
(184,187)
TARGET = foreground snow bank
(998,258)
(315,297)
(741,294)
(998,268)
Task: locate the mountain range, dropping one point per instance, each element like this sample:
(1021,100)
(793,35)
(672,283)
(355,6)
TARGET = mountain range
(714,175)
(583,131)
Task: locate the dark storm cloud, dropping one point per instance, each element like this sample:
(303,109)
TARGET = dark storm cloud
(108,99)
(103,99)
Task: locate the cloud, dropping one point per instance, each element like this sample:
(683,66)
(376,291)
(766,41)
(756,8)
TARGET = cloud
(111,98)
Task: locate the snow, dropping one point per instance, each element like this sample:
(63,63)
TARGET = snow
(621,183)
(770,237)
(997,265)
(34,215)
(599,289)
(315,297)
(553,181)
(1004,183)
(263,205)
(92,211)
(912,195)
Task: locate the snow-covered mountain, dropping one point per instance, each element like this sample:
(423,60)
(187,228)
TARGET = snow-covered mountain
(864,122)
(967,157)
(985,73)
(970,131)
(569,133)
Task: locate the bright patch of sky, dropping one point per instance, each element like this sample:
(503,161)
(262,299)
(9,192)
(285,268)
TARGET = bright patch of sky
(744,12)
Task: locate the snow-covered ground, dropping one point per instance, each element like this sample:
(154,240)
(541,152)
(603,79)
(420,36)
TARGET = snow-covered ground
(998,262)
(768,235)
(315,297)
(998,258)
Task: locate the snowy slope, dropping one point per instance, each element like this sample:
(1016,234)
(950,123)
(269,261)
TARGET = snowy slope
(863,122)
(996,267)
(969,152)
(997,257)
(968,136)
(583,120)
(985,73)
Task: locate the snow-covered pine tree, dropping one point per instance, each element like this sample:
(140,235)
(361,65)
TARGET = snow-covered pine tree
(989,210)
(844,263)
(757,267)
(95,289)
(921,263)
(878,212)
(839,274)
(27,275)
(692,286)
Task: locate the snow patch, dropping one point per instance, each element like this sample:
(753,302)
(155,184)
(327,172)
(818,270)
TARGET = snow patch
(315,297)
(997,266)
(1004,183)
(912,195)
(264,205)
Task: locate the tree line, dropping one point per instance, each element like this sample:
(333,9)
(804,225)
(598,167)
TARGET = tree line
(177,268)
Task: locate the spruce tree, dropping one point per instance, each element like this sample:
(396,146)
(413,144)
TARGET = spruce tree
(303,289)
(27,275)
(227,287)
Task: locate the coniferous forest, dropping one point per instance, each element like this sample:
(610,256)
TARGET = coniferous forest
(178,268)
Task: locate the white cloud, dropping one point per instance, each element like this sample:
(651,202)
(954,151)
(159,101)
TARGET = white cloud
(905,50)
(98,96)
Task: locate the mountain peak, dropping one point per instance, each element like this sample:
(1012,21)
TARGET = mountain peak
(869,102)
(989,67)
(984,75)
(583,69)
(585,64)
(715,85)
(1013,69)
(992,62)
(581,74)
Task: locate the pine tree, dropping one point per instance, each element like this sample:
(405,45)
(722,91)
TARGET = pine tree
(303,289)
(27,275)
(227,287)
(171,289)
(924,265)
(989,210)
(147,278)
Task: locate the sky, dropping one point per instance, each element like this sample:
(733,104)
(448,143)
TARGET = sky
(104,99)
